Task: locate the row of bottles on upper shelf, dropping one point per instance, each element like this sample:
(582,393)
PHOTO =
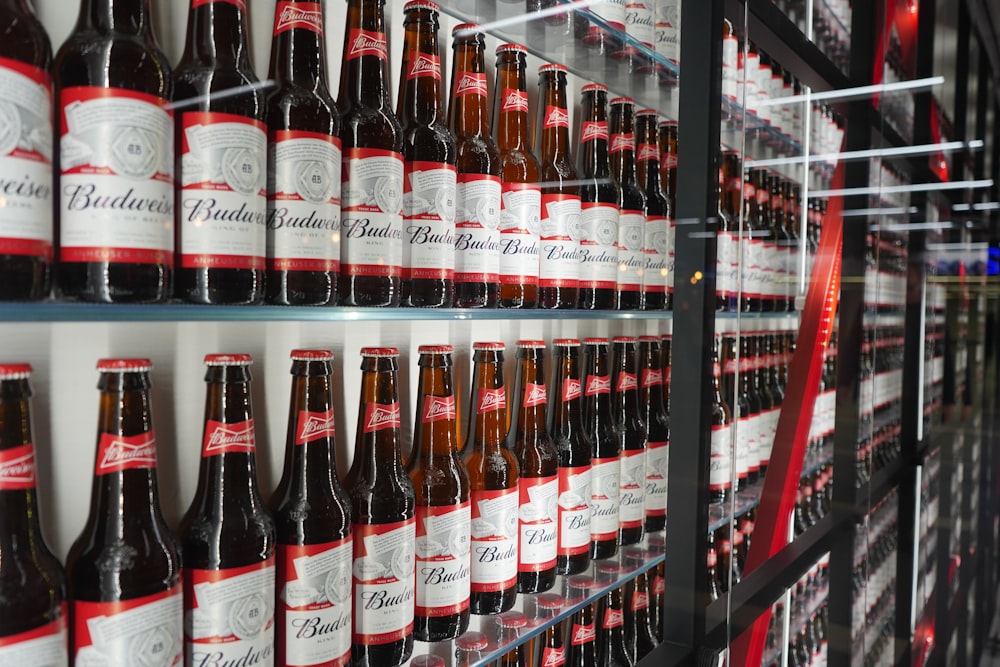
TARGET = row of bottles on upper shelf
(417,548)
(831,26)
(808,618)
(286,195)
(873,589)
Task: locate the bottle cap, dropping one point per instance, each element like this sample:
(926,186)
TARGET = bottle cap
(624,339)
(435,349)
(14,371)
(595,87)
(550,601)
(646,112)
(566,342)
(466,29)
(379,352)
(512,619)
(668,123)
(649,339)
(427,661)
(623,100)
(472,641)
(595,341)
(228,359)
(552,67)
(531,344)
(580,582)
(609,569)
(421,4)
(124,365)
(312,355)
(489,347)
(511,48)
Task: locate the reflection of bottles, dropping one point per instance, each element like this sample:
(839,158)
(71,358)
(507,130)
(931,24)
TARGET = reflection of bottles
(638,629)
(550,648)
(720,464)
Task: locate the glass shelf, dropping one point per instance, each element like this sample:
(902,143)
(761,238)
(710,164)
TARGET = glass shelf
(53,311)
(641,557)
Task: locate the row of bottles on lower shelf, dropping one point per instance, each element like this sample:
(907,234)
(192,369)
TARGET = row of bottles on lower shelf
(927,530)
(873,589)
(808,615)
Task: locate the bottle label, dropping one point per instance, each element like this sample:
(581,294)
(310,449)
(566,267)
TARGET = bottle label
(477,238)
(142,631)
(639,22)
(655,242)
(598,245)
(117,177)
(574,510)
(494,540)
(366,43)
(17,468)
(583,634)
(519,223)
(630,257)
(657,454)
(592,130)
(45,645)
(303,217)
(534,394)
(559,233)
(612,11)
(298,15)
(230,615)
(640,601)
(424,64)
(667,30)
(647,152)
(727,265)
(605,476)
(314,426)
(117,453)
(491,400)
(553,656)
(622,142)
(443,559)
(659,585)
(514,100)
(730,58)
(429,192)
(746,439)
(538,516)
(711,559)
(626,382)
(223,200)
(555,117)
(235,438)
(613,618)
(471,83)
(651,378)
(571,390)
(743,452)
(315,597)
(766,422)
(379,417)
(721,464)
(26,160)
(631,488)
(438,408)
(598,384)
(384,578)
(371,217)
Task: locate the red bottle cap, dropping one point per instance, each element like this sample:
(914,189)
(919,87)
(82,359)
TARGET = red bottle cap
(124,365)
(531,344)
(624,339)
(669,123)
(580,582)
(312,355)
(421,4)
(566,342)
(623,100)
(228,359)
(646,112)
(467,28)
(427,661)
(14,371)
(435,349)
(379,352)
(595,87)
(609,569)
(472,641)
(550,601)
(509,48)
(595,341)
(512,619)
(649,339)
(552,67)
(489,347)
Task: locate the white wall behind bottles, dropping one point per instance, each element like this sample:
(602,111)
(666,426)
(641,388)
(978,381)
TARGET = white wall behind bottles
(64,354)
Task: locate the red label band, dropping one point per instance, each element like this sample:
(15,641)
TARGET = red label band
(379,417)
(492,399)
(627,382)
(593,130)
(534,394)
(640,601)
(26,248)
(125,255)
(221,438)
(132,624)
(471,83)
(514,100)
(424,65)
(222,262)
(651,378)
(298,15)
(383,271)
(555,117)
(613,618)
(438,408)
(583,634)
(117,453)
(647,152)
(571,389)
(553,657)
(598,384)
(315,426)
(622,142)
(17,468)
(366,43)
(54,629)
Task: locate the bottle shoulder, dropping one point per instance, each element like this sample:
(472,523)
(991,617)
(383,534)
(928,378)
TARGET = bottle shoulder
(23,38)
(294,107)
(370,127)
(428,142)
(114,60)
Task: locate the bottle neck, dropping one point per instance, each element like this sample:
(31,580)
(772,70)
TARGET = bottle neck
(553,132)
(228,459)
(378,421)
(567,397)
(364,73)
(310,465)
(623,165)
(512,110)
(434,432)
(648,164)
(21,523)
(469,113)
(298,49)
(420,90)
(594,139)
(596,401)
(217,34)
(625,384)
(488,406)
(528,409)
(123,16)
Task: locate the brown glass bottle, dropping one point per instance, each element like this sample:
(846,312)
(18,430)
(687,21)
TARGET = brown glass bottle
(371,217)
(782,241)
(768,415)
(574,450)
(627,414)
(667,142)
(469,649)
(221,154)
(228,533)
(741,452)
(721,463)
(493,477)
(111,65)
(33,604)
(441,484)
(538,464)
(727,267)
(550,650)
(612,649)
(126,563)
(751,243)
(582,649)
(666,363)
(657,591)
(26,225)
(638,629)
(792,217)
(509,627)
(654,417)
(477,201)
(632,204)
(749,411)
(761,244)
(605,465)
(522,196)
(304,156)
(429,175)
(599,208)
(559,227)
(656,231)
(312,520)
(382,509)
(712,568)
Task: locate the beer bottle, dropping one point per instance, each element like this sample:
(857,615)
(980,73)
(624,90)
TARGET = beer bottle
(573,447)
(601,42)
(599,214)
(768,414)
(760,241)
(748,436)
(611,647)
(221,150)
(115,173)
(303,194)
(32,581)
(477,201)
(509,627)
(712,568)
(26,224)
(792,212)
(600,429)
(551,650)
(667,141)
(441,484)
(741,453)
(779,251)
(632,438)
(656,236)
(493,477)
(658,589)
(559,235)
(313,525)
(228,533)
(521,195)
(721,463)
(382,510)
(371,218)
(632,204)
(429,174)
(666,362)
(766,233)
(654,416)
(582,650)
(538,463)
(469,649)
(748,275)
(124,571)
(727,267)
(638,629)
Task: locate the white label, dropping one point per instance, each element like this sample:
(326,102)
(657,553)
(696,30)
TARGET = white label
(316,599)
(43,646)
(303,218)
(599,246)
(751,72)
(655,249)
(223,198)
(477,236)
(604,483)
(230,616)
(730,64)
(630,258)
(538,516)
(639,21)
(384,578)
(559,237)
(372,213)
(721,464)
(668,29)
(429,192)
(574,510)
(743,447)
(117,184)
(747,438)
(141,631)
(519,227)
(727,265)
(657,460)
(631,488)
(612,11)
(442,548)
(494,540)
